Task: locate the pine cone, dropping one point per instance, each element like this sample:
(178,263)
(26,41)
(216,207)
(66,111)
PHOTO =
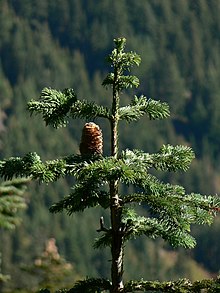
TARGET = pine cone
(91,140)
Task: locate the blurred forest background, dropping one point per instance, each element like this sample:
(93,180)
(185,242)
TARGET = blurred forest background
(63,43)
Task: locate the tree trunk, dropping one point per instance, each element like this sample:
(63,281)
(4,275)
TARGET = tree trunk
(117,241)
(116,212)
(116,209)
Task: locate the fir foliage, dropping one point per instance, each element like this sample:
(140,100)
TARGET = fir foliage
(12,202)
(179,286)
(88,110)
(141,106)
(54,106)
(90,285)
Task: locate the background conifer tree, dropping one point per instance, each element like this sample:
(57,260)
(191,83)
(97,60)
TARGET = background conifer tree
(12,201)
(51,269)
(168,212)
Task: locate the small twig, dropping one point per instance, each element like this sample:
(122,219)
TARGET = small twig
(102,228)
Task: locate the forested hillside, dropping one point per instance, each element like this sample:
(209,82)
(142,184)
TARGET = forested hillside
(63,44)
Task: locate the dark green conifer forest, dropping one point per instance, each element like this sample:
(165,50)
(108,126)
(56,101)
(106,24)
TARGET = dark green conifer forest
(62,44)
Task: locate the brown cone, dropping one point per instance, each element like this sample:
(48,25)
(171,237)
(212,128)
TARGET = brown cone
(91,140)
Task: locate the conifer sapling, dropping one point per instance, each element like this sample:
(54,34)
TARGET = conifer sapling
(169,211)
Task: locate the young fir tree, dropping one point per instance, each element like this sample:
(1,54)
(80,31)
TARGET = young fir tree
(51,269)
(169,210)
